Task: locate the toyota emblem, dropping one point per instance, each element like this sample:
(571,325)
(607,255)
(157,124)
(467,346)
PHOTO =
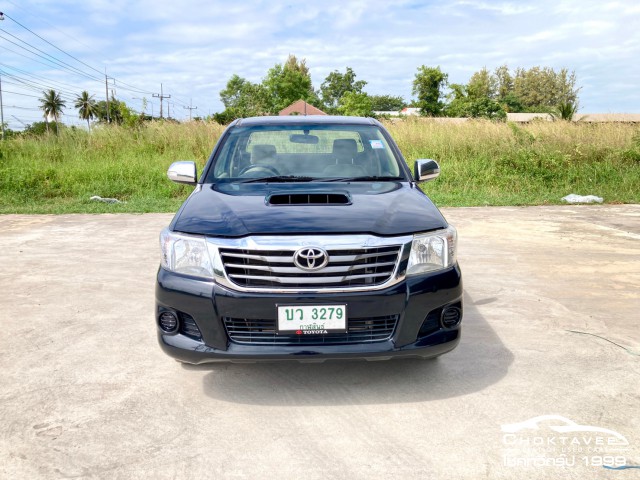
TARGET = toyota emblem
(311,258)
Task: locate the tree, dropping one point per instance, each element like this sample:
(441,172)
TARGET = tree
(288,83)
(566,111)
(464,104)
(243,99)
(543,89)
(8,133)
(254,101)
(387,103)
(87,107)
(503,83)
(52,105)
(355,105)
(538,89)
(37,128)
(457,101)
(482,85)
(299,66)
(336,84)
(427,87)
(232,94)
(118,112)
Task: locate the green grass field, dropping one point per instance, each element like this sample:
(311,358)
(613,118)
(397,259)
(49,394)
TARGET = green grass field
(482,163)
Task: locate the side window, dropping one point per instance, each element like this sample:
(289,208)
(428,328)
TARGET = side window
(230,160)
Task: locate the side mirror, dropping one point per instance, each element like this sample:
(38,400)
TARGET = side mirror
(426,169)
(183,172)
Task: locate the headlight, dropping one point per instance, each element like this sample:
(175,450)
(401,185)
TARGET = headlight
(432,251)
(185,254)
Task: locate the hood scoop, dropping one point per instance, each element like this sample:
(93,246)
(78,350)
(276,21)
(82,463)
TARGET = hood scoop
(312,198)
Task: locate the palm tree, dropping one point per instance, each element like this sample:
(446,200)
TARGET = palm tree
(567,110)
(52,104)
(87,107)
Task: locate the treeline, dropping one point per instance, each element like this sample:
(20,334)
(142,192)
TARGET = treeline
(488,94)
(53,106)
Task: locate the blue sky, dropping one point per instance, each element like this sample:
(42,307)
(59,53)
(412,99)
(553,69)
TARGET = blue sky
(192,47)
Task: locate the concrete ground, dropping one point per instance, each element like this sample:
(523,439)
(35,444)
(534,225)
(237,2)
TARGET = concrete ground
(85,391)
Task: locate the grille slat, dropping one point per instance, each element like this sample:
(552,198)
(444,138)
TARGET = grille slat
(319,280)
(296,270)
(263,332)
(368,266)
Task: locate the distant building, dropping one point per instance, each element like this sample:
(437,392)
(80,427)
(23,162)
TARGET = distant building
(387,113)
(578,117)
(300,108)
(410,111)
(528,117)
(403,112)
(607,117)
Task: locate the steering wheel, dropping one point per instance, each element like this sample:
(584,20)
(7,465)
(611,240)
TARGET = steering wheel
(249,171)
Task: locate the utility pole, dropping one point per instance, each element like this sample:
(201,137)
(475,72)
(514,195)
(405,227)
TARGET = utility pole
(190,108)
(1,106)
(106,92)
(161,96)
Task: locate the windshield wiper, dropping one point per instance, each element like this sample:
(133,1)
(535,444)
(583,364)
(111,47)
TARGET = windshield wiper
(278,178)
(368,178)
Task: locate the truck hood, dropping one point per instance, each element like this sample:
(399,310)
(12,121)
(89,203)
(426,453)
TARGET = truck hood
(238,210)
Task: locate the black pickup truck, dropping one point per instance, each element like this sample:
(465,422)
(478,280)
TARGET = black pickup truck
(307,238)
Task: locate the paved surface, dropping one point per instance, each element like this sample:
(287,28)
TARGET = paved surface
(85,392)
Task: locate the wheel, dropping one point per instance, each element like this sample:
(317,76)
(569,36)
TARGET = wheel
(253,171)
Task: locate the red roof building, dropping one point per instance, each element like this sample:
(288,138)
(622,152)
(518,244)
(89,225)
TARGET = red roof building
(301,108)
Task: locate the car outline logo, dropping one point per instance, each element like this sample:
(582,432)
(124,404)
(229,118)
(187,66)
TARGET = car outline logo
(310,258)
(568,427)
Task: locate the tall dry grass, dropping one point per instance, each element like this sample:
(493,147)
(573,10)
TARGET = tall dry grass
(54,174)
(482,163)
(485,162)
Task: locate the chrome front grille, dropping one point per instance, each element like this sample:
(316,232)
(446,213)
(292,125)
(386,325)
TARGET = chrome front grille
(263,332)
(352,267)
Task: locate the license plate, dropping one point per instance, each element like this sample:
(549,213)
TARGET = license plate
(312,319)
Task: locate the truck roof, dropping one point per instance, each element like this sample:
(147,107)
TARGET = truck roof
(304,120)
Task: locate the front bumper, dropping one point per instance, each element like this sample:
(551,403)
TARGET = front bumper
(207,304)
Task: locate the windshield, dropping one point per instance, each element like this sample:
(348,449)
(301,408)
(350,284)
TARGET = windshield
(314,152)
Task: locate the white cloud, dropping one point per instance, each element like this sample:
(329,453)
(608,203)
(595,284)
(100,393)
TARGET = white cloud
(194,46)
(502,8)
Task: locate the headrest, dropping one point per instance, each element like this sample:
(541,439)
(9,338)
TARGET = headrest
(345,148)
(262,152)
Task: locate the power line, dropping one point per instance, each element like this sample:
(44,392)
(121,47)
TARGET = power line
(131,88)
(22,108)
(37,82)
(48,23)
(29,58)
(39,77)
(126,85)
(35,85)
(59,63)
(24,124)
(17,93)
(48,42)
(1,105)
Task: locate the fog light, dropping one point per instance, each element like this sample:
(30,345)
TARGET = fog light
(168,322)
(451,317)
(189,327)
